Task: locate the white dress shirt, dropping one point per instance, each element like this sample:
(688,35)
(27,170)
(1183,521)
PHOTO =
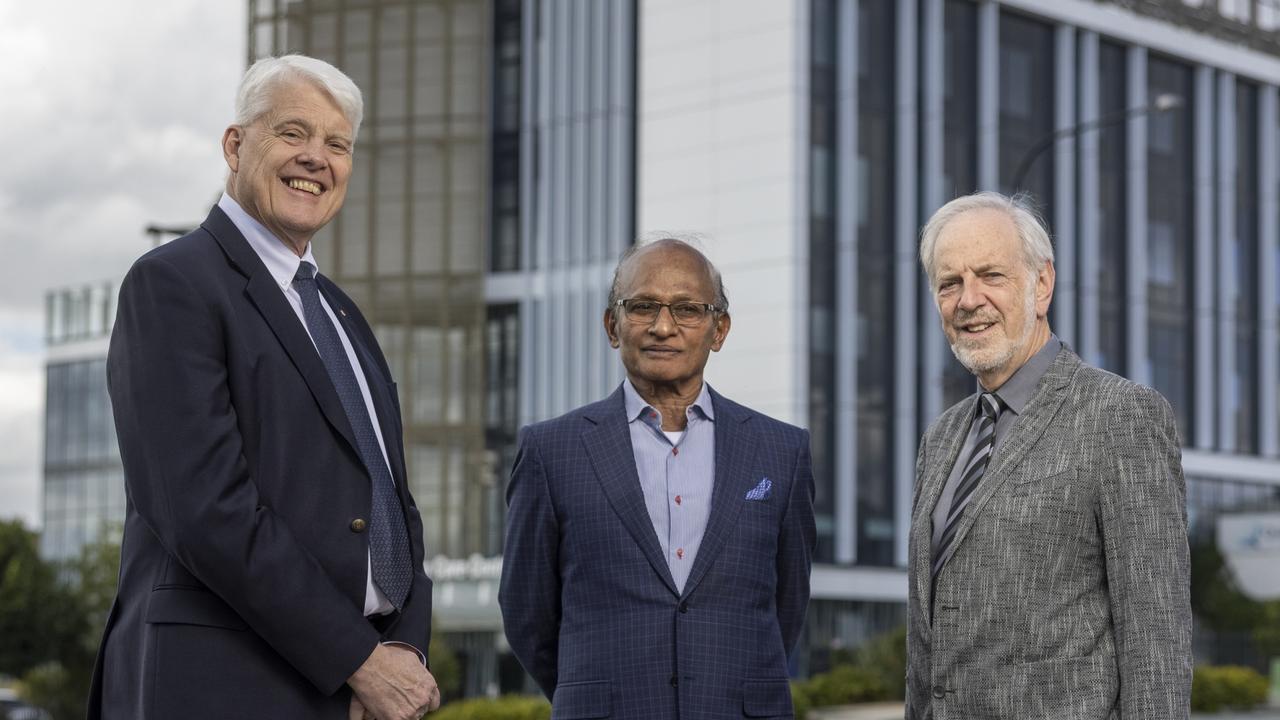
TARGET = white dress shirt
(283,265)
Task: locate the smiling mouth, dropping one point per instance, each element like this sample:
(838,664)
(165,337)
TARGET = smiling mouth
(305,185)
(976,328)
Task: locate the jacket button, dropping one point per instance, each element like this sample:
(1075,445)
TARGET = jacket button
(674,681)
(358,525)
(939,692)
(684,607)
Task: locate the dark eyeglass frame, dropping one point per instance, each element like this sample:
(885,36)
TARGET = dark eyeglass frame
(706,310)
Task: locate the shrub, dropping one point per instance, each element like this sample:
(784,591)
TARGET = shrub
(886,656)
(799,701)
(1227,686)
(845,685)
(507,707)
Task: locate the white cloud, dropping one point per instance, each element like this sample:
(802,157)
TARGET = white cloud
(112,119)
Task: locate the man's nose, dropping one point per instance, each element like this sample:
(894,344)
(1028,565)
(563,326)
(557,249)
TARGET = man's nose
(665,324)
(971,296)
(312,156)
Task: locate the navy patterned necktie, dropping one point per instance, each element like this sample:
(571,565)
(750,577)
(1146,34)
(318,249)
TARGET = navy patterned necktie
(389,556)
(975,467)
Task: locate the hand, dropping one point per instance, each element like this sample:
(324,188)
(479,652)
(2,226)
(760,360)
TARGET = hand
(356,712)
(392,684)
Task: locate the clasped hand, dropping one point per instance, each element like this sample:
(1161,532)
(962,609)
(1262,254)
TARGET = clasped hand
(392,684)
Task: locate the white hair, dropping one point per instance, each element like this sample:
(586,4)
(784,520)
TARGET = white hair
(1036,247)
(253,99)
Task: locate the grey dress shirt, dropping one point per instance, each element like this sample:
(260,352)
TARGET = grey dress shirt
(1014,395)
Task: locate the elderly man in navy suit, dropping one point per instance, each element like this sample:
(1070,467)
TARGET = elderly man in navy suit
(659,541)
(271,565)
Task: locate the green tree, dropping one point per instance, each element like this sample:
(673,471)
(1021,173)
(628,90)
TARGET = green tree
(61,685)
(39,615)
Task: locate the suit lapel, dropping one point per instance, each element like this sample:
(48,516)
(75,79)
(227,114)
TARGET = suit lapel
(937,470)
(274,308)
(608,444)
(1023,435)
(735,451)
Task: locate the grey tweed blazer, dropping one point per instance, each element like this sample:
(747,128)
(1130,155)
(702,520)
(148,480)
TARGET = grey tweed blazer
(1068,594)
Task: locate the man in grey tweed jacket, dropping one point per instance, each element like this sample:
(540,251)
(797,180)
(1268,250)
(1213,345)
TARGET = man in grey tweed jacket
(1049,572)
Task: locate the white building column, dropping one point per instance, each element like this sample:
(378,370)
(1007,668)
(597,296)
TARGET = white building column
(906,272)
(846,370)
(1205,381)
(1227,382)
(1064,189)
(1139,369)
(1088,243)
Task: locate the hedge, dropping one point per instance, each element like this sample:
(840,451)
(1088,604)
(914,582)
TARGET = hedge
(507,707)
(1227,686)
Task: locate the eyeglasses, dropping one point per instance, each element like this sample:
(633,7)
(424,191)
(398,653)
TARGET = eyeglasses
(684,312)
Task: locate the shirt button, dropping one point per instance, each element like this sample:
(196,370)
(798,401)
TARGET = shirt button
(677,499)
(358,525)
(675,451)
(939,692)
(680,553)
(684,607)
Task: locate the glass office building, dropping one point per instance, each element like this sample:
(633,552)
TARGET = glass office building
(513,148)
(846,123)
(83,499)
(492,190)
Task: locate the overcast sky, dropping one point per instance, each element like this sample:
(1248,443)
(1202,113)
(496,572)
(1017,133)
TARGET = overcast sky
(112,112)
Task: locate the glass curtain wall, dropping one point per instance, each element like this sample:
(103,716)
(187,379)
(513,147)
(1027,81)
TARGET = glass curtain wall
(960,146)
(83,480)
(1026,106)
(1112,201)
(823,151)
(877,119)
(1170,223)
(1244,394)
(409,244)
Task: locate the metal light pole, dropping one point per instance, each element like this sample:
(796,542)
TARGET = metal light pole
(1162,103)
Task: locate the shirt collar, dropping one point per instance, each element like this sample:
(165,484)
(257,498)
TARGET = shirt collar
(636,405)
(279,259)
(1016,392)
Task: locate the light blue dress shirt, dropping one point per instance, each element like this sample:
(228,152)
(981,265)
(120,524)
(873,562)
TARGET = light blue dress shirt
(676,477)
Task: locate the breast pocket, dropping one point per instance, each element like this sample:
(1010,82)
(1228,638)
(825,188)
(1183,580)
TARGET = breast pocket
(1032,482)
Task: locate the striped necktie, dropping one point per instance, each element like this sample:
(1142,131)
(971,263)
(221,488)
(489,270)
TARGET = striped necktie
(975,467)
(389,555)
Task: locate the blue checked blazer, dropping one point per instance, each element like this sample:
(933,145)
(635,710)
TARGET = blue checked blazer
(588,602)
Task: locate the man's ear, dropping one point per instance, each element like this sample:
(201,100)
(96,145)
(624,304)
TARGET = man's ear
(611,328)
(721,332)
(1045,280)
(232,138)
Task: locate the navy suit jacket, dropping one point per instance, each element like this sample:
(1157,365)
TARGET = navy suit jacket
(242,578)
(587,599)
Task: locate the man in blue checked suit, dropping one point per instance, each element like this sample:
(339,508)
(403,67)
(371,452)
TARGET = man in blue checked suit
(659,541)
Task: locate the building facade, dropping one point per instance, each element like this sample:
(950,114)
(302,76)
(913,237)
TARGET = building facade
(812,139)
(83,495)
(493,188)
(513,148)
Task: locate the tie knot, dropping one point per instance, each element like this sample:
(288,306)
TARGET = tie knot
(306,271)
(989,405)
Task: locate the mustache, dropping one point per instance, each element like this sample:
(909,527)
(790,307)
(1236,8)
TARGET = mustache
(966,318)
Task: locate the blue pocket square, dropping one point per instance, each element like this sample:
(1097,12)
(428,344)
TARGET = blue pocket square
(762,491)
